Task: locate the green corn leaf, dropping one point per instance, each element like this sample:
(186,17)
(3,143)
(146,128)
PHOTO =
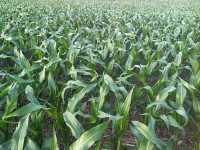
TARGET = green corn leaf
(3,122)
(110,66)
(110,82)
(75,100)
(73,73)
(165,92)
(196,105)
(103,92)
(30,95)
(115,119)
(195,65)
(42,75)
(140,78)
(72,84)
(5,91)
(149,134)
(137,134)
(181,111)
(196,80)
(110,46)
(30,145)
(146,144)
(189,87)
(177,31)
(20,80)
(25,110)
(165,119)
(151,67)
(22,60)
(138,93)
(174,123)
(88,138)
(159,103)
(129,63)
(54,143)
(13,93)
(73,124)
(29,69)
(46,145)
(93,110)
(10,106)
(165,72)
(180,94)
(17,141)
(52,62)
(124,80)
(126,105)
(79,113)
(52,84)
(151,124)
(178,59)
(149,89)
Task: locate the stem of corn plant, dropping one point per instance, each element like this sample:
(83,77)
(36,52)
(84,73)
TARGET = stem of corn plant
(119,143)
(177,133)
(98,144)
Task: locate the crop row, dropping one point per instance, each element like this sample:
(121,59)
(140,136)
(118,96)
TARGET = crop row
(82,75)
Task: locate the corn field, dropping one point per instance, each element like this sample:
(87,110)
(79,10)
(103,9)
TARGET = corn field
(117,75)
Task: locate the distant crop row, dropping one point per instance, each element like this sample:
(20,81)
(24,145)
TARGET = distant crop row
(81,75)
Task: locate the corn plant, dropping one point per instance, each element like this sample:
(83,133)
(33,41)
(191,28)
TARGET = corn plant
(85,74)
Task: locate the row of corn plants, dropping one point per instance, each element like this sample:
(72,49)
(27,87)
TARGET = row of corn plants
(74,74)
